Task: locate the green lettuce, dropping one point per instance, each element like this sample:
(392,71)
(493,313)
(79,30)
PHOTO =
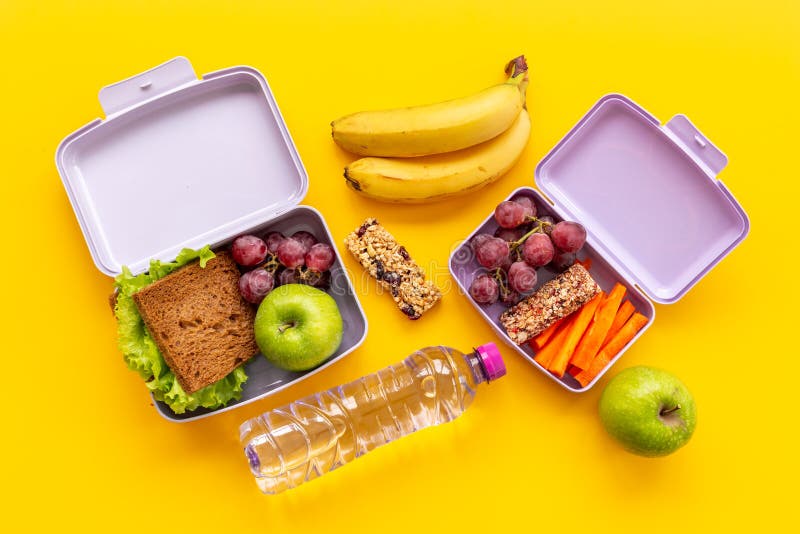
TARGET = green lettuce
(141,353)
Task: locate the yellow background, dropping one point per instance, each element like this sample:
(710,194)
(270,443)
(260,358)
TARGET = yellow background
(82,448)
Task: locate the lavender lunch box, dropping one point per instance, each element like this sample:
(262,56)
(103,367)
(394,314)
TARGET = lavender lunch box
(185,162)
(657,217)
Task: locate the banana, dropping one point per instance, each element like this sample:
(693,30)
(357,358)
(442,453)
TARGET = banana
(430,178)
(436,128)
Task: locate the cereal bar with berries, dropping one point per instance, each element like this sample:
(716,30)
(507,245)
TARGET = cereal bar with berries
(390,264)
(557,298)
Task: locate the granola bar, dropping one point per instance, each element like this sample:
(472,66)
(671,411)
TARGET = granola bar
(390,264)
(555,299)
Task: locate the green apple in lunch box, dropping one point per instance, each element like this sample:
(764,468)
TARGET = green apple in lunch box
(649,411)
(298,327)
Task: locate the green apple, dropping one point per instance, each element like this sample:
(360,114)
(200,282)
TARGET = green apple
(298,327)
(649,411)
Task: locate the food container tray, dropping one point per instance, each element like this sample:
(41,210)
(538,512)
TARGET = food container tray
(181,161)
(265,379)
(657,218)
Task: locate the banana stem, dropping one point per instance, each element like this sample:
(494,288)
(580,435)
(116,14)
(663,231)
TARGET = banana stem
(517,70)
(516,67)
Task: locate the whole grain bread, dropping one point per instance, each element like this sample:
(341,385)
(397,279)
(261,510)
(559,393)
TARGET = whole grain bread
(200,322)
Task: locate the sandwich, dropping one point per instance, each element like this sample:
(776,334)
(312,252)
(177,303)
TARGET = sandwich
(185,328)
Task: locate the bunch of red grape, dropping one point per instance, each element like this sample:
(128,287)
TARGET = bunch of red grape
(276,260)
(521,244)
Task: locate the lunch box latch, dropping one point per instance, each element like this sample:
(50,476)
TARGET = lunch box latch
(696,145)
(146,86)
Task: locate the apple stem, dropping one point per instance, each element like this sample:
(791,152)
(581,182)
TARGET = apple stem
(284,327)
(667,412)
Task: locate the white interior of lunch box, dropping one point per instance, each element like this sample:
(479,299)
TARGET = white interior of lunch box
(188,168)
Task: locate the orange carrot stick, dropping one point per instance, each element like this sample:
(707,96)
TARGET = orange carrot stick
(623,314)
(625,334)
(607,353)
(591,342)
(599,362)
(541,340)
(546,353)
(587,263)
(558,364)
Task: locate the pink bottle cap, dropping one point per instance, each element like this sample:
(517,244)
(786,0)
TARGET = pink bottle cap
(492,361)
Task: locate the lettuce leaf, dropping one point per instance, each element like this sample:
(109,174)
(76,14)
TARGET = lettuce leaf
(141,353)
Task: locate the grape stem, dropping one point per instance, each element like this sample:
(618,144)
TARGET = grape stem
(500,277)
(540,225)
(270,264)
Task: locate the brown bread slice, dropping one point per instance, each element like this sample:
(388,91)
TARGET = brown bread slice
(200,322)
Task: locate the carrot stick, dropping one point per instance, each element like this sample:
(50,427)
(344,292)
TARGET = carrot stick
(625,334)
(541,340)
(599,362)
(558,365)
(591,342)
(546,353)
(623,314)
(607,353)
(574,370)
(587,263)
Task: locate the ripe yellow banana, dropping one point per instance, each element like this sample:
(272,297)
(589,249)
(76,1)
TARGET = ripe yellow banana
(429,178)
(436,128)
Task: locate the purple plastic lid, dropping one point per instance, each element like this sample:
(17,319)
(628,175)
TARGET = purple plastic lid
(647,194)
(492,361)
(179,161)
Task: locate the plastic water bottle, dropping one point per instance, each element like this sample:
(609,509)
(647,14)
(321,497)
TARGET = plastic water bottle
(303,440)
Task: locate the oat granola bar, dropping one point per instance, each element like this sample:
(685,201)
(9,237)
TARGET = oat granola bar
(555,299)
(390,264)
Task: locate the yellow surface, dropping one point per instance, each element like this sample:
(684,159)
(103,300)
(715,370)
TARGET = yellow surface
(82,448)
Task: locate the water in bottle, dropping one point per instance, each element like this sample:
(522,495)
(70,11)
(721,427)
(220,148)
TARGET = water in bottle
(309,437)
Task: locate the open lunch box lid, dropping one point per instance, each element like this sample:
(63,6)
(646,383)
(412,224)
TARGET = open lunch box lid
(179,161)
(647,193)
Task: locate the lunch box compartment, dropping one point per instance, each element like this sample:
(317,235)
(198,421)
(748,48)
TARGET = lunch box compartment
(464,268)
(264,378)
(657,218)
(186,162)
